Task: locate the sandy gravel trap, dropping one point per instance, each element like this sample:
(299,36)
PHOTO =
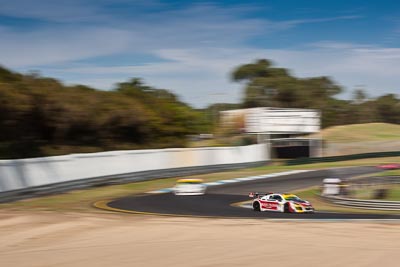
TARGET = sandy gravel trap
(72,239)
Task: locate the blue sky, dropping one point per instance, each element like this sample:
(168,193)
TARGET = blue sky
(191,47)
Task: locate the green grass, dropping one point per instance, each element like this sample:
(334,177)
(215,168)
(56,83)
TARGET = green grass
(369,192)
(81,200)
(390,173)
(362,132)
(394,193)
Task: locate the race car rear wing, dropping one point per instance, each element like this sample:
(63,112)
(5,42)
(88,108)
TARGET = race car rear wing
(257,195)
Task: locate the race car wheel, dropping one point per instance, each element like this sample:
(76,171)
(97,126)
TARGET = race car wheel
(287,208)
(256,206)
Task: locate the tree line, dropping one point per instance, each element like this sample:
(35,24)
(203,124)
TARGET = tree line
(269,86)
(39,116)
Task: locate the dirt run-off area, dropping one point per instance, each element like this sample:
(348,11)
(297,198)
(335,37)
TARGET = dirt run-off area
(77,239)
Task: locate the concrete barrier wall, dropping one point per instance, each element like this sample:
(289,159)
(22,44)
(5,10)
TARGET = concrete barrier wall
(37,172)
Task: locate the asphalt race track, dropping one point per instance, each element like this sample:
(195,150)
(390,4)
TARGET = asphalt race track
(218,200)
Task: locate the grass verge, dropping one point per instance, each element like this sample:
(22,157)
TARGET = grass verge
(365,132)
(369,192)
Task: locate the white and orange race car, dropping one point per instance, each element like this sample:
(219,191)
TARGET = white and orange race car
(281,203)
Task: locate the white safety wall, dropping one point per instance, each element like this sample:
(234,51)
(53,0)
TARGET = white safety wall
(25,173)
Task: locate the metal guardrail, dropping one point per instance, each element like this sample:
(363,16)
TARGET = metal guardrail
(368,204)
(364,204)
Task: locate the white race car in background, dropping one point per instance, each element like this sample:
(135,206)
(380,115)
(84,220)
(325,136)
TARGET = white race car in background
(280,203)
(189,187)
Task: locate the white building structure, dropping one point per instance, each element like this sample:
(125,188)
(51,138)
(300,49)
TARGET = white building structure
(282,121)
(279,127)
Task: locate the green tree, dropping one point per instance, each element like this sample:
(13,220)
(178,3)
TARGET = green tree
(269,86)
(388,108)
(40,116)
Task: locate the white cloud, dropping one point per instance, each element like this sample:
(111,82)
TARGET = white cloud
(375,68)
(202,25)
(197,74)
(198,26)
(197,48)
(21,49)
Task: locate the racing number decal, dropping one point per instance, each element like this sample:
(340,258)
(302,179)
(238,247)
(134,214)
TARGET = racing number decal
(270,205)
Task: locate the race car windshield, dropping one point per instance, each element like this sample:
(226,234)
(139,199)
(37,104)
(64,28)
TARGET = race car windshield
(294,198)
